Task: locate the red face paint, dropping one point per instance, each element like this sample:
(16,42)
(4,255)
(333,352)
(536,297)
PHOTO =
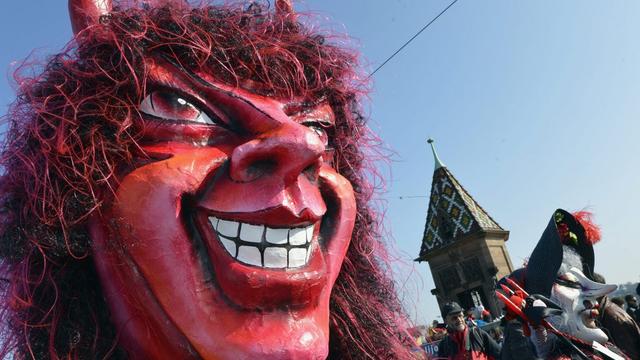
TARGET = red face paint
(226,237)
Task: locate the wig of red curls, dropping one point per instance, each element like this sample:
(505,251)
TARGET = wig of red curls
(70,130)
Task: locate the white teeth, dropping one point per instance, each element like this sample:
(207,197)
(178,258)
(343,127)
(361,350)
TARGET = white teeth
(277,236)
(297,257)
(228,228)
(282,248)
(275,257)
(309,230)
(230,246)
(214,222)
(251,233)
(249,255)
(297,236)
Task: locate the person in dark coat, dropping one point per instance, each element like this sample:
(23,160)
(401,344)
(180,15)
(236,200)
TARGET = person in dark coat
(462,341)
(516,345)
(618,301)
(632,306)
(623,331)
(620,327)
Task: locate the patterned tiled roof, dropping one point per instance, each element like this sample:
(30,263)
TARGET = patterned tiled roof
(452,213)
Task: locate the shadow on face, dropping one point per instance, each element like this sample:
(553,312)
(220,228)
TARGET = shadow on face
(455,321)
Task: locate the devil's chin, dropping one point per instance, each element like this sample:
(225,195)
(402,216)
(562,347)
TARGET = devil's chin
(278,335)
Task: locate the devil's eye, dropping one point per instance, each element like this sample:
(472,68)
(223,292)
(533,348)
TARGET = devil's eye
(320,130)
(171,106)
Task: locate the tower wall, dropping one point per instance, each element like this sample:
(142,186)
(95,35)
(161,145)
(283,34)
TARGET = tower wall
(471,264)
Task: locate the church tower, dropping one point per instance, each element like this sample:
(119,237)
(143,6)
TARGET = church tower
(463,244)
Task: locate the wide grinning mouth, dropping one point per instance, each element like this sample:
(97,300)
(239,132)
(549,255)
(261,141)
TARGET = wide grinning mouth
(265,256)
(263,246)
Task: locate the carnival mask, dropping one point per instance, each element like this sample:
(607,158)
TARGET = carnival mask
(185,181)
(577,295)
(227,240)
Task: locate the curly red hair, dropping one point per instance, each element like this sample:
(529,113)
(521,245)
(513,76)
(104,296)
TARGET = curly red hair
(71,129)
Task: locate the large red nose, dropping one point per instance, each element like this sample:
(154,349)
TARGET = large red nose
(285,152)
(271,178)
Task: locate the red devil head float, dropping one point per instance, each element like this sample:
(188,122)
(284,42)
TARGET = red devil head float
(189,183)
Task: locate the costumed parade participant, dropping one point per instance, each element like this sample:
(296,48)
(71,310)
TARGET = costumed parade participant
(558,302)
(464,341)
(632,306)
(191,183)
(622,329)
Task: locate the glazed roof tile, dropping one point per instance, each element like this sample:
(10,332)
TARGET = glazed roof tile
(452,213)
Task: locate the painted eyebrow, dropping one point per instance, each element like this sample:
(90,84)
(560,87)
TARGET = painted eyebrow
(195,77)
(290,109)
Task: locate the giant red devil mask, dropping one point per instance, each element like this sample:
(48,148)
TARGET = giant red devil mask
(234,235)
(192,183)
(227,241)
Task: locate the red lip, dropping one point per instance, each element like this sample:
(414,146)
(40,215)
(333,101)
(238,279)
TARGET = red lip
(253,287)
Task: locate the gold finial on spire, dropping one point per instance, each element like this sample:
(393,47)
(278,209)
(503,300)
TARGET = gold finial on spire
(436,159)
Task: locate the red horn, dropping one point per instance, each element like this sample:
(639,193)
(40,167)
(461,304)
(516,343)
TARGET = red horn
(284,7)
(84,13)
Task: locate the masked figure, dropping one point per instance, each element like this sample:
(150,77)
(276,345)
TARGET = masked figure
(190,183)
(561,270)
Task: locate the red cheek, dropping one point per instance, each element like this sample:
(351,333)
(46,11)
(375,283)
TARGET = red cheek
(144,257)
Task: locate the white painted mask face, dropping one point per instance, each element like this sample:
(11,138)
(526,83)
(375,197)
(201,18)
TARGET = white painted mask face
(577,295)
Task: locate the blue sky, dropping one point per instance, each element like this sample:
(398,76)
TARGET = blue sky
(533,105)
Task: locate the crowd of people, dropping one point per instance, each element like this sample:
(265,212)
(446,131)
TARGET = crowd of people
(484,337)
(474,316)
(487,337)
(556,307)
(464,338)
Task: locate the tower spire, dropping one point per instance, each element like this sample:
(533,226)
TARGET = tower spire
(436,159)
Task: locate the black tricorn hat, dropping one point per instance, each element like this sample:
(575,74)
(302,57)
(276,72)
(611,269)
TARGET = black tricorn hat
(542,269)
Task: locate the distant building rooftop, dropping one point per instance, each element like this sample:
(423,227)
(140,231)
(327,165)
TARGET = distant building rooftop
(452,213)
